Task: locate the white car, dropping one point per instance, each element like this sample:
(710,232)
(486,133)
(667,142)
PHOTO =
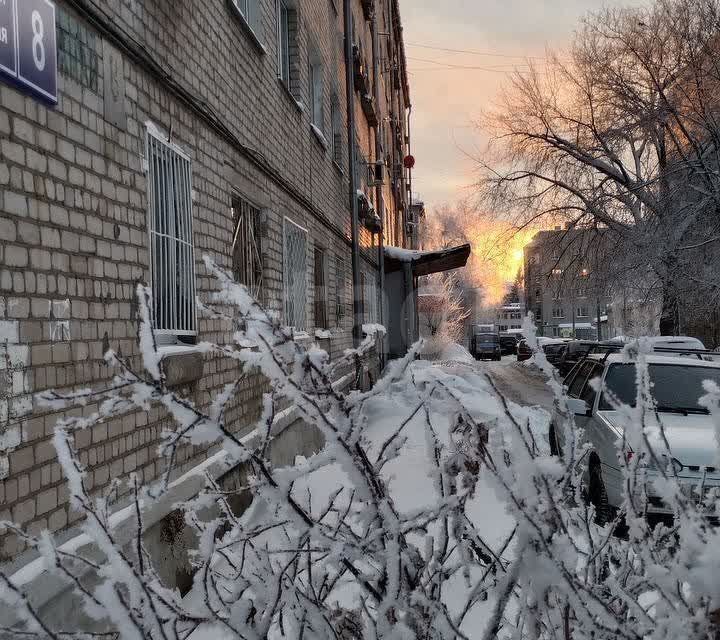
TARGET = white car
(688,427)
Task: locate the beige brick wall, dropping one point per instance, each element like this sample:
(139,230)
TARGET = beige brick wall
(73,225)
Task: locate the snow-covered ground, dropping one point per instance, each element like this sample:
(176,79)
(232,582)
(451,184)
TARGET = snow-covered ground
(411,476)
(522,383)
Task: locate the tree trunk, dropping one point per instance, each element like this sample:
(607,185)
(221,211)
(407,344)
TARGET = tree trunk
(669,312)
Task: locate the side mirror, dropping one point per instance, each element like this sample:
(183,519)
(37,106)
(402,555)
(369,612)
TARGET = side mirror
(578,407)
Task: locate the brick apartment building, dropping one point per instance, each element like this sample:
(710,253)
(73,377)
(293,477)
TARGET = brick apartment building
(566,283)
(182,129)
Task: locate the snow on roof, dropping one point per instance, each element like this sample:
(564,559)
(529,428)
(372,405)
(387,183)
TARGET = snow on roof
(404,255)
(577,325)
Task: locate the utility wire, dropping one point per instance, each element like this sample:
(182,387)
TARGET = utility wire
(450,65)
(473,52)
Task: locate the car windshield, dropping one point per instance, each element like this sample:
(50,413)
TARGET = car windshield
(675,387)
(486,338)
(552,349)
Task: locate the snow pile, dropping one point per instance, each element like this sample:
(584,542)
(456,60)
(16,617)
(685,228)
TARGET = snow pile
(455,352)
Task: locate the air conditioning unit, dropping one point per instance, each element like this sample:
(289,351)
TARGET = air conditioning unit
(376,173)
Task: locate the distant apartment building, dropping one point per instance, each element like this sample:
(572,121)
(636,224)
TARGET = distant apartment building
(509,317)
(148,134)
(565,282)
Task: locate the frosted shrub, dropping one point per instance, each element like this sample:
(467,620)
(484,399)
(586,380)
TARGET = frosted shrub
(330,548)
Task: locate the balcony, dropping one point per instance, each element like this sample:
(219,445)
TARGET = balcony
(369,109)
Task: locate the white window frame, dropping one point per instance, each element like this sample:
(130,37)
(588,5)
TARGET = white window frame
(316,90)
(558,313)
(249,12)
(298,321)
(283,42)
(171,316)
(244,8)
(580,313)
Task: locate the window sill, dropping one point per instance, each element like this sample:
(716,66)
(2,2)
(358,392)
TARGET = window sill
(286,90)
(319,136)
(182,364)
(248,29)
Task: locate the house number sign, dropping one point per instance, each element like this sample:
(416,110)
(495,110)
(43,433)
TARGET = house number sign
(28,47)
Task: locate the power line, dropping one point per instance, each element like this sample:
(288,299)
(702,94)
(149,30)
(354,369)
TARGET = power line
(448,65)
(473,52)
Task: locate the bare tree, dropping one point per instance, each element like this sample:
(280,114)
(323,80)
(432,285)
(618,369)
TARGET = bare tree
(622,133)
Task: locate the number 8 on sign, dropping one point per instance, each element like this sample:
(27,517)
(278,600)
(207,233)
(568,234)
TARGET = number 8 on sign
(38,47)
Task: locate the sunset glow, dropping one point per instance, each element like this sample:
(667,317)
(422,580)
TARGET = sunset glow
(497,257)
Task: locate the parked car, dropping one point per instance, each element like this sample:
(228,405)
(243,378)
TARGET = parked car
(508,345)
(677,385)
(554,351)
(662,342)
(487,346)
(524,352)
(574,351)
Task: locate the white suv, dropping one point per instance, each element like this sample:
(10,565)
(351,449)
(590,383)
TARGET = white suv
(689,429)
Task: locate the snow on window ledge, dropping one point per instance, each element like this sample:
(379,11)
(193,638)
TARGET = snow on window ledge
(323,334)
(286,90)
(320,136)
(374,329)
(168,350)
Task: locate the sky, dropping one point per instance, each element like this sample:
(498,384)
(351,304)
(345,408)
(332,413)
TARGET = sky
(447,101)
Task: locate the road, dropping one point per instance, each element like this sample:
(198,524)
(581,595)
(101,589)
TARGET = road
(519,383)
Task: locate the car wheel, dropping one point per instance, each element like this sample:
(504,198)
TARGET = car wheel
(554,449)
(596,493)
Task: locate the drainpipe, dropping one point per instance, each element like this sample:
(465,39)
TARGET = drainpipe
(379,197)
(354,224)
(410,199)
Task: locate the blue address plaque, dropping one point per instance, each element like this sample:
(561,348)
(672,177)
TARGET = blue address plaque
(28,46)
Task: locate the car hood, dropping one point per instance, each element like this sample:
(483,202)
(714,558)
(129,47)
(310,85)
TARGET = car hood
(691,438)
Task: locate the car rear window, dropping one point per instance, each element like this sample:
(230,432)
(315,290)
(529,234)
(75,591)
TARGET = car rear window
(486,338)
(674,386)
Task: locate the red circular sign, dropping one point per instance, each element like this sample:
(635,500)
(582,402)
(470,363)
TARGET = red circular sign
(409,162)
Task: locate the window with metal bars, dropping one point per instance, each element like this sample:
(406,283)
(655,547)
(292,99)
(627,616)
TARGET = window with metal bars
(247,246)
(321,315)
(172,257)
(370,302)
(294,274)
(340,291)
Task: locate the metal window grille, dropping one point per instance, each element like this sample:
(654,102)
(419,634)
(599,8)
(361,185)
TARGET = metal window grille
(321,316)
(294,267)
(171,240)
(247,246)
(340,291)
(370,298)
